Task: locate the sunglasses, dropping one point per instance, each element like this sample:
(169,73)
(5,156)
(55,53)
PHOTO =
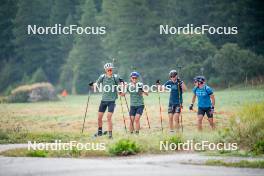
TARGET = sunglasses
(110,70)
(173,76)
(134,77)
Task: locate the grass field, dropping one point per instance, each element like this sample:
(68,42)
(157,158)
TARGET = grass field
(46,121)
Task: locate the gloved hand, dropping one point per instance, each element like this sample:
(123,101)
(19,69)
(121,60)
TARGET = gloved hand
(139,87)
(91,83)
(191,107)
(158,81)
(121,80)
(212,110)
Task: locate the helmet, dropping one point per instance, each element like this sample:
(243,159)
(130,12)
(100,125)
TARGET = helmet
(199,79)
(134,74)
(173,73)
(108,65)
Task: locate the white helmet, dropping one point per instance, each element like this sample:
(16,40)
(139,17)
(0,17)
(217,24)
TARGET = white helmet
(173,73)
(108,65)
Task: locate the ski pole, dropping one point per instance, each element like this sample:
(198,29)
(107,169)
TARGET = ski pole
(160,112)
(180,106)
(87,105)
(121,102)
(180,96)
(131,121)
(146,112)
(181,118)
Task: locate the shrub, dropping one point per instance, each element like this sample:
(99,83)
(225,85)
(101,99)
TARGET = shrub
(33,93)
(3,135)
(246,127)
(124,147)
(259,147)
(37,153)
(174,140)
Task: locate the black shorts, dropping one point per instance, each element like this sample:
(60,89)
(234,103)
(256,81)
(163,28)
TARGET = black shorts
(202,111)
(105,104)
(172,109)
(136,110)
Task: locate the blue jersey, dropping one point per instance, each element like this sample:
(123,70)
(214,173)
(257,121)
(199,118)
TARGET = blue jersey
(175,98)
(203,95)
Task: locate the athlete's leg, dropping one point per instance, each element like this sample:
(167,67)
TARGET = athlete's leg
(137,121)
(176,120)
(200,121)
(171,122)
(210,118)
(131,124)
(211,122)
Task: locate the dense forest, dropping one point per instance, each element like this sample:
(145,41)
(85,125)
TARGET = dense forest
(133,38)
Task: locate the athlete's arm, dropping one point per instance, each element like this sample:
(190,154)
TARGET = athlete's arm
(141,90)
(193,98)
(99,80)
(145,93)
(123,89)
(212,99)
(122,93)
(159,86)
(165,87)
(184,87)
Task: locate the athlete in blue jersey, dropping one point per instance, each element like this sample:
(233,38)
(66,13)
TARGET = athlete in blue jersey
(206,100)
(176,88)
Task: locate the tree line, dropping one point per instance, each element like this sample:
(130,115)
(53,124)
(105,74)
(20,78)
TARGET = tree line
(132,37)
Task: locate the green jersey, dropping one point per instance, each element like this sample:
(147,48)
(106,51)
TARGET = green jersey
(109,83)
(136,97)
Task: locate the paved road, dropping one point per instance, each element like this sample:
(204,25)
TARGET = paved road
(139,166)
(164,165)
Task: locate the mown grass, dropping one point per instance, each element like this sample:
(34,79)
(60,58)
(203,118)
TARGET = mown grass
(145,143)
(9,137)
(120,146)
(62,120)
(67,115)
(23,152)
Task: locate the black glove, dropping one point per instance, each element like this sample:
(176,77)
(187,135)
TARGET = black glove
(91,83)
(191,107)
(121,80)
(158,81)
(139,86)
